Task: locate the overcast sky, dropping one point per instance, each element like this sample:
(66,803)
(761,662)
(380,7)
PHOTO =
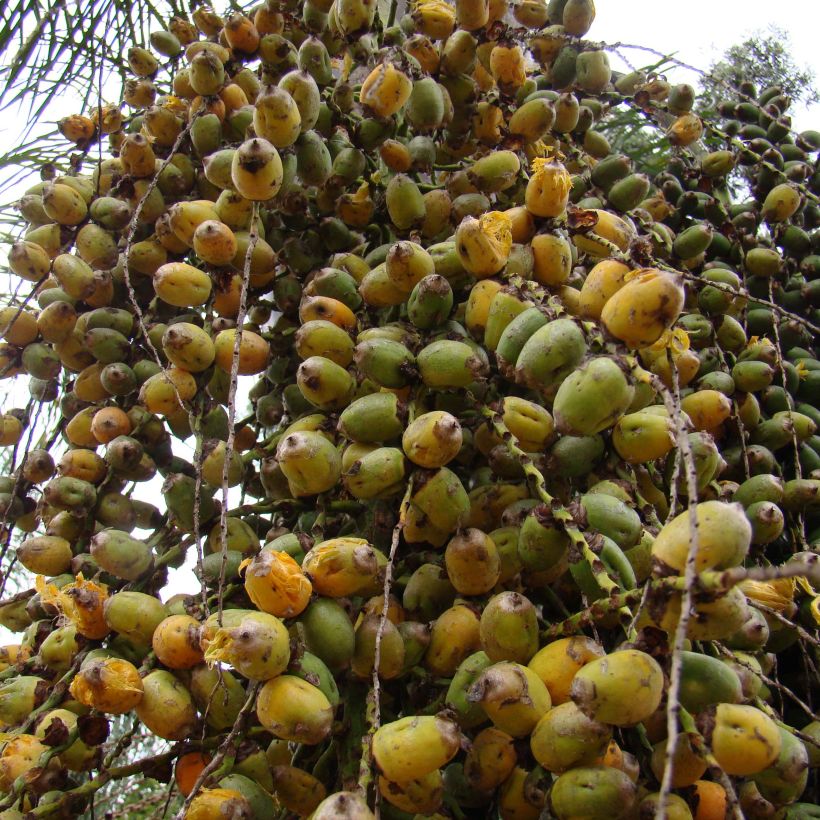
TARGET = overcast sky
(697,31)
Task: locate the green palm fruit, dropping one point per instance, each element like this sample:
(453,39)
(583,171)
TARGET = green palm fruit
(313,57)
(616,564)
(593,72)
(562,75)
(313,669)
(305,93)
(134,615)
(430,488)
(785,780)
(801,494)
(405,202)
(314,164)
(179,492)
(218,695)
(706,681)
(45,554)
(448,364)
(328,632)
(59,649)
(428,592)
(374,418)
(629,192)
(318,337)
(391,657)
(495,172)
(425,108)
(509,628)
(565,738)
(458,53)
(260,801)
(612,518)
(388,363)
(20,696)
(376,474)
(118,379)
(337,284)
(430,302)
(504,308)
(513,697)
(542,542)
(592,791)
(592,398)
(468,714)
(41,361)
(72,494)
(13,614)
(515,335)
(693,241)
(550,354)
(575,456)
(416,637)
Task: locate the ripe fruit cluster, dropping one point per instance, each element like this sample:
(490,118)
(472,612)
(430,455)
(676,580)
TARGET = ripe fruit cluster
(530,483)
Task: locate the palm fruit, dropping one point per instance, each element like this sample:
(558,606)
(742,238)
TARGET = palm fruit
(565,738)
(109,685)
(483,245)
(508,628)
(410,748)
(592,398)
(744,740)
(134,615)
(550,354)
(121,555)
(591,791)
(298,455)
(548,188)
(343,566)
(512,696)
(176,642)
(622,688)
(557,663)
(724,536)
(284,704)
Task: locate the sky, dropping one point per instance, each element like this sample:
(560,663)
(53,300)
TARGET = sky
(697,32)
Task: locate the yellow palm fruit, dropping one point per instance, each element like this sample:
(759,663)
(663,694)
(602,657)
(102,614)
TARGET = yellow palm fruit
(182,285)
(724,537)
(557,663)
(414,746)
(292,709)
(781,203)
(577,17)
(64,205)
(649,302)
(385,90)
(434,18)
(685,130)
(215,243)
(276,117)
(256,170)
(513,697)
(254,351)
(19,755)
(241,34)
(420,796)
(45,554)
(110,685)
(77,128)
(255,644)
(478,305)
(607,226)
(186,217)
(176,642)
(164,392)
(472,14)
(552,259)
(83,464)
(548,188)
(215,804)
(483,245)
(472,562)
(507,67)
(78,756)
(325,307)
(344,567)
(11,430)
(522,224)
(642,437)
(674,342)
(622,688)
(490,759)
(706,408)
(81,602)
(602,282)
(275,583)
(378,290)
(532,121)
(488,121)
(407,263)
(138,156)
(29,260)
(432,439)
(188,347)
(744,740)
(530,423)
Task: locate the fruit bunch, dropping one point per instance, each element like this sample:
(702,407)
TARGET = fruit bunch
(522,517)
